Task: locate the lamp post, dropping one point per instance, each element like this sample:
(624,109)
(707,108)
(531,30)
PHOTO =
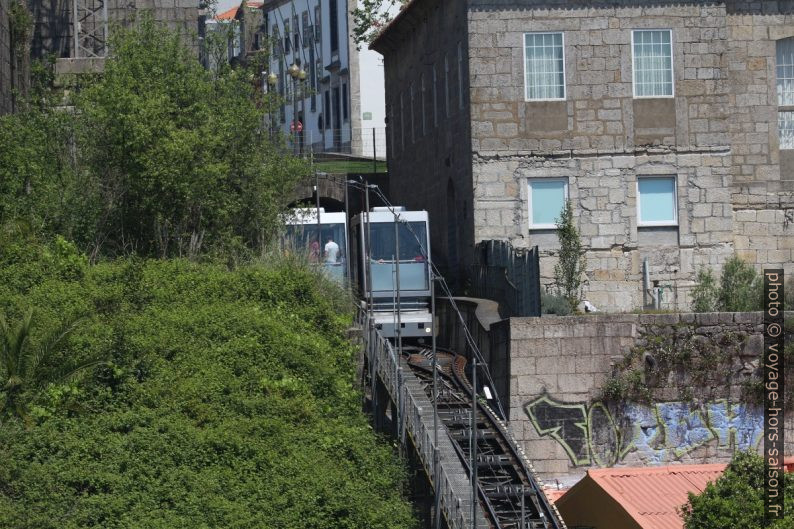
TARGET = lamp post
(302,85)
(295,71)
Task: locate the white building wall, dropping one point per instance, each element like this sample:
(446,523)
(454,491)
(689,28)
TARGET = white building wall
(333,74)
(372,97)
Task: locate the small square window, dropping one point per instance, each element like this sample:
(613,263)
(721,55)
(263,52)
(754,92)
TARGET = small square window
(656,201)
(653,63)
(547,198)
(544,66)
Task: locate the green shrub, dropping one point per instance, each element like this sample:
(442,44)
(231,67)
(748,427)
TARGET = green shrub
(160,158)
(570,269)
(706,292)
(740,289)
(554,304)
(736,499)
(228,401)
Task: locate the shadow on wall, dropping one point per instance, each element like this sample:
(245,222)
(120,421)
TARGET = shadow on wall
(596,434)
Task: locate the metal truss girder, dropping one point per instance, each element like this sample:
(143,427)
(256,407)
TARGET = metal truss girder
(90,25)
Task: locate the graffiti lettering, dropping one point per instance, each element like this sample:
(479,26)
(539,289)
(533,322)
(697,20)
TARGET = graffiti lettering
(658,433)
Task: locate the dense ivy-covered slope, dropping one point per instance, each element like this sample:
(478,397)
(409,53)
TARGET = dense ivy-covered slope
(227,401)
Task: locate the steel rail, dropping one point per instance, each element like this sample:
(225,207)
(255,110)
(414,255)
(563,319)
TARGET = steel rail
(506,480)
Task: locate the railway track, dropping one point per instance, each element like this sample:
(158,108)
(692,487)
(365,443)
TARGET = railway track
(509,493)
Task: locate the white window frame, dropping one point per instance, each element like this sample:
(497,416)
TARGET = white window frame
(674,222)
(782,109)
(672,66)
(564,72)
(545,226)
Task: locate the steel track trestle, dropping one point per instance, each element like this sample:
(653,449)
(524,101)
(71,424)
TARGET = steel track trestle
(510,494)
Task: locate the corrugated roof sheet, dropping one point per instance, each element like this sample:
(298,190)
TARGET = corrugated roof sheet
(652,495)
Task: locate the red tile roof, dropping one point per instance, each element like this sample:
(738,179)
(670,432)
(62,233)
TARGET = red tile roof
(229,14)
(652,495)
(554,494)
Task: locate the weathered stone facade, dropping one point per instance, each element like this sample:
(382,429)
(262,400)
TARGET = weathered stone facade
(53,29)
(559,367)
(428,132)
(718,136)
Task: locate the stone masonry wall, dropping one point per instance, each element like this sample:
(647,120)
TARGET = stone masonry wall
(53,21)
(718,136)
(428,148)
(558,367)
(763,190)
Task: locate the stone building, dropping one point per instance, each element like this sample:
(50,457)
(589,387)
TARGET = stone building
(668,124)
(51,34)
(53,28)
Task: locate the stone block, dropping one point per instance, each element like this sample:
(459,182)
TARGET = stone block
(522,366)
(526,328)
(558,331)
(532,385)
(573,385)
(754,346)
(546,365)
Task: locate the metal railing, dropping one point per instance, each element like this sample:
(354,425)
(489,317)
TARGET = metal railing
(366,143)
(415,418)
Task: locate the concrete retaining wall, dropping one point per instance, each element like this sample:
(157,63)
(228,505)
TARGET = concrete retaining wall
(559,366)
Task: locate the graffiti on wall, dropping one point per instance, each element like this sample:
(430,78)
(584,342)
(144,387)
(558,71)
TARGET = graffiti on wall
(593,435)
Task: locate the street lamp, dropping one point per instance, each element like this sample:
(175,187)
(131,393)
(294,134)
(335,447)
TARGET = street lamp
(302,85)
(296,72)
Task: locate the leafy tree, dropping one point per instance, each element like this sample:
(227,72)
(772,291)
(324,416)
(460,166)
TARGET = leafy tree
(179,156)
(158,157)
(570,269)
(37,183)
(371,16)
(736,499)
